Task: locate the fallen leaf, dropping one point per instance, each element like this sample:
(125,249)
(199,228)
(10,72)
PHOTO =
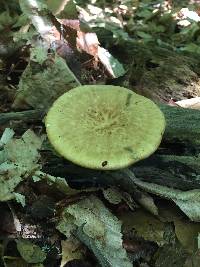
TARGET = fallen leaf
(187,201)
(144,225)
(98,228)
(71,249)
(30,252)
(20,160)
(187,233)
(193,103)
(40,88)
(193,260)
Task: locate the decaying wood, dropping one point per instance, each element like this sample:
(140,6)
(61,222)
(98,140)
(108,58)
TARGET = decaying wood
(183,129)
(176,163)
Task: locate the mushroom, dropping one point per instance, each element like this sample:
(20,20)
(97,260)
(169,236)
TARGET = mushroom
(104,127)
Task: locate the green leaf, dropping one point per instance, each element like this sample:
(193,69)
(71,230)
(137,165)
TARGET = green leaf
(193,48)
(144,35)
(20,199)
(69,11)
(31,253)
(145,13)
(6,20)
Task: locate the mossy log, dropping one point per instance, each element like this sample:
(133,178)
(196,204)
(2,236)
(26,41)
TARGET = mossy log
(177,162)
(182,129)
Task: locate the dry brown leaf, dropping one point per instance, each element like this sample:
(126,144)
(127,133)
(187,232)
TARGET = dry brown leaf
(88,42)
(71,249)
(187,233)
(85,41)
(71,23)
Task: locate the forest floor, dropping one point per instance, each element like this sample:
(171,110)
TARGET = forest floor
(57,214)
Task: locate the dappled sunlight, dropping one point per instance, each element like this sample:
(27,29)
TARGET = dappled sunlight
(40,22)
(88,89)
(33,3)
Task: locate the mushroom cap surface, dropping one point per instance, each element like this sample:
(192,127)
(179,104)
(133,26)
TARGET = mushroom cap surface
(104,127)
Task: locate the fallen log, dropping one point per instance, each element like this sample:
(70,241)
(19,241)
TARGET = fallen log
(175,164)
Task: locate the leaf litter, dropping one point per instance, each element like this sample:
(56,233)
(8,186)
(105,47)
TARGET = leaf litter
(20,161)
(86,216)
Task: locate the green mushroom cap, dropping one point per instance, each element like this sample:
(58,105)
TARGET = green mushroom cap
(104,127)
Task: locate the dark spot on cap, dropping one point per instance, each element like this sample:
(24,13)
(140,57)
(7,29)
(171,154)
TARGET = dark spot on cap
(128,99)
(129,149)
(104,163)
